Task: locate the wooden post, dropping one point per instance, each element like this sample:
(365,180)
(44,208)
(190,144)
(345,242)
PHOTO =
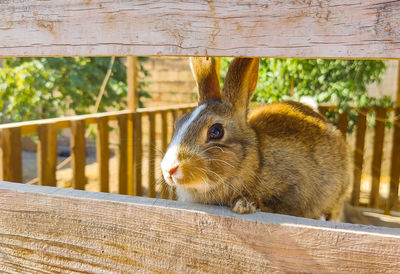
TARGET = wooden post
(343,122)
(359,155)
(164,145)
(133,104)
(47,154)
(103,152)
(132,82)
(380,120)
(137,152)
(152,155)
(123,153)
(11,155)
(395,157)
(78,153)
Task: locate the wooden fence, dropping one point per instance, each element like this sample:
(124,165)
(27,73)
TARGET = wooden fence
(131,149)
(50,229)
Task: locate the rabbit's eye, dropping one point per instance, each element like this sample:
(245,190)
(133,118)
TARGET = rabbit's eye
(215,132)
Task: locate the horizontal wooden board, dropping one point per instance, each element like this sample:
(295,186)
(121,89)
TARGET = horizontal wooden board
(303,29)
(50,229)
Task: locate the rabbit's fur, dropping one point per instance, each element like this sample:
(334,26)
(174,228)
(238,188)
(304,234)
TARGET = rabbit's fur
(283,157)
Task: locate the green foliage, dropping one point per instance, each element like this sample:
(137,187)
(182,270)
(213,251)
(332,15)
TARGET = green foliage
(339,82)
(36,88)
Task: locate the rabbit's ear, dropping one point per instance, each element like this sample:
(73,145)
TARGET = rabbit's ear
(240,83)
(205,74)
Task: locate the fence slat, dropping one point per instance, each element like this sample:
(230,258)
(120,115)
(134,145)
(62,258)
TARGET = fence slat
(359,155)
(164,145)
(47,154)
(130,155)
(343,123)
(11,155)
(122,153)
(380,120)
(138,151)
(103,152)
(394,165)
(78,153)
(152,155)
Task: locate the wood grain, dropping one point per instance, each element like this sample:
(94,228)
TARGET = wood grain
(47,154)
(164,144)
(11,155)
(332,29)
(78,153)
(75,231)
(379,138)
(361,127)
(123,154)
(103,153)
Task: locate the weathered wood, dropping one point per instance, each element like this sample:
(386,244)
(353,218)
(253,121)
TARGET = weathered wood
(394,165)
(103,153)
(138,151)
(47,154)
(132,82)
(78,153)
(334,29)
(11,155)
(123,154)
(361,127)
(380,120)
(343,123)
(164,144)
(125,234)
(152,155)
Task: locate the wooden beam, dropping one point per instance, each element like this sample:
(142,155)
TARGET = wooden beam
(132,82)
(103,153)
(78,153)
(361,128)
(66,230)
(303,29)
(123,154)
(47,154)
(11,155)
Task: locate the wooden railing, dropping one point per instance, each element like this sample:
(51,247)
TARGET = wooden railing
(382,115)
(130,147)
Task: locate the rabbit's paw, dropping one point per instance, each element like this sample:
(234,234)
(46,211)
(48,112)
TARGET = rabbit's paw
(242,205)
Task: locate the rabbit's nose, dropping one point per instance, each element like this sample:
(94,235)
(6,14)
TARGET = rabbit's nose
(173,169)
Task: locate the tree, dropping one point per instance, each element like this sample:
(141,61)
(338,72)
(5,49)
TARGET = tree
(339,82)
(37,88)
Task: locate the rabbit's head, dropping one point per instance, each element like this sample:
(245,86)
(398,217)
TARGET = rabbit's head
(214,143)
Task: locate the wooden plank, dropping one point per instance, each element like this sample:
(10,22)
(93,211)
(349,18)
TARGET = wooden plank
(394,165)
(343,123)
(103,153)
(11,155)
(303,29)
(361,127)
(380,120)
(47,154)
(78,153)
(138,157)
(164,145)
(123,154)
(76,231)
(152,155)
(132,82)
(130,154)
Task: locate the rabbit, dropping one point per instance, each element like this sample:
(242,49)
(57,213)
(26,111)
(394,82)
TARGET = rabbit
(281,158)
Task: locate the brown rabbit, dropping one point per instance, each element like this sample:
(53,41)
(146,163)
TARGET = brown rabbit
(282,158)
